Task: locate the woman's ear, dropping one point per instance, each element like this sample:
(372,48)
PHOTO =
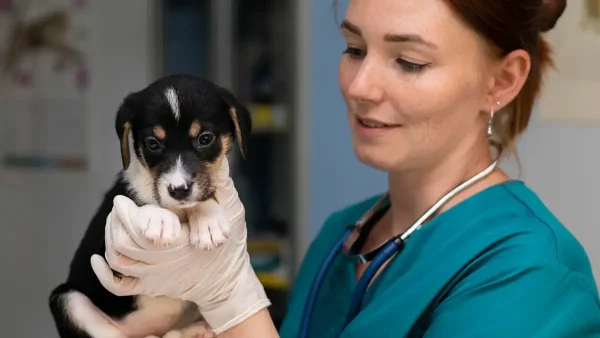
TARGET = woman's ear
(509,78)
(241,119)
(123,122)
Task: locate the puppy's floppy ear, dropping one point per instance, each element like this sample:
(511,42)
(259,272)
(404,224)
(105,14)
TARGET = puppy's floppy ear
(242,121)
(123,120)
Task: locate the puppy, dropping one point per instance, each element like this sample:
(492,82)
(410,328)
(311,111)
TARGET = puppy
(182,128)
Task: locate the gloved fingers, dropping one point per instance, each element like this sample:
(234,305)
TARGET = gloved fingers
(117,237)
(120,258)
(125,265)
(149,226)
(120,286)
(127,258)
(120,247)
(123,211)
(120,242)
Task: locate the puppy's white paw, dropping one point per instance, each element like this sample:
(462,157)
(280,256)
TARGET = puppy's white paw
(158,225)
(209,228)
(198,330)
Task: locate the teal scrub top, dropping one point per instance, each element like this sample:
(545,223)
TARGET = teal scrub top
(498,264)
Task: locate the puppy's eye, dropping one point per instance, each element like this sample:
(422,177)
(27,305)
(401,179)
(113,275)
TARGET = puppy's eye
(152,143)
(206,138)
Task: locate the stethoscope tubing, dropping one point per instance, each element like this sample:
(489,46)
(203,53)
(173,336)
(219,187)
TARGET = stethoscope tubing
(316,286)
(392,247)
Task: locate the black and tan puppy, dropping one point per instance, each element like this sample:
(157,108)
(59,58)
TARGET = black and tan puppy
(182,128)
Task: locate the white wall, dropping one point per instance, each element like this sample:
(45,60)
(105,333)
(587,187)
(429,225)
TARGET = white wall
(41,228)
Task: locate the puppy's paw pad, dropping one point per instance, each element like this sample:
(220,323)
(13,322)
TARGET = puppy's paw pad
(210,231)
(157,225)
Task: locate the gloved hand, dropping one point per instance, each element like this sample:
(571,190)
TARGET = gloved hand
(220,281)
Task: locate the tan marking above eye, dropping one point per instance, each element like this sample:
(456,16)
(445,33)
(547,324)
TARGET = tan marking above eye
(159,132)
(195,129)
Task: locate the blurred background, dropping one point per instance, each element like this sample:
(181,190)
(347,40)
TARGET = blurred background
(67,64)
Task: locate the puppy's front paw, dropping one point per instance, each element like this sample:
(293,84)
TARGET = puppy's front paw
(209,228)
(158,225)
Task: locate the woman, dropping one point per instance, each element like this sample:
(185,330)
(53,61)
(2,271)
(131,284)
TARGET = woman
(429,86)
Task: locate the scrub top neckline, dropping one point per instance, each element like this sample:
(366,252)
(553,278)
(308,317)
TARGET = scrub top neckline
(456,213)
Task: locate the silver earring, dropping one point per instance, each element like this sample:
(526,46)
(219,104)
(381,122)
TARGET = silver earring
(491,120)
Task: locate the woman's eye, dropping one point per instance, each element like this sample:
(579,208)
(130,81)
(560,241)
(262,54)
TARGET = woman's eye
(205,139)
(410,66)
(152,144)
(354,52)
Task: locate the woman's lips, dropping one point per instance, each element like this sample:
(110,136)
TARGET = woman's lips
(370,127)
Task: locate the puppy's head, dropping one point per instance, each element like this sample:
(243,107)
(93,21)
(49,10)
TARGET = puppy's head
(182,128)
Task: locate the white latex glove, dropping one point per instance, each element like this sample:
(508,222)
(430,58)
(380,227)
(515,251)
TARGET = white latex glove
(220,281)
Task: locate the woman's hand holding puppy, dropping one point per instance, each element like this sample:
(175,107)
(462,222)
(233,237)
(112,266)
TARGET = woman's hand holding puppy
(149,246)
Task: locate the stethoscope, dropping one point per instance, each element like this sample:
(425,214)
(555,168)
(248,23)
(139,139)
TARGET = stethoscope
(354,234)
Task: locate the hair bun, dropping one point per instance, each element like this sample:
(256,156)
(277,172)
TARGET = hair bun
(550,12)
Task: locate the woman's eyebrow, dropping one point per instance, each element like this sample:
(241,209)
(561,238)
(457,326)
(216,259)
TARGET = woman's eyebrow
(401,38)
(352,28)
(409,38)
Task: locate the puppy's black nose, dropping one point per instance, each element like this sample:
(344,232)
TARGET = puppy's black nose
(179,192)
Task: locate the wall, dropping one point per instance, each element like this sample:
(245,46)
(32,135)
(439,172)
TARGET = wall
(336,177)
(559,164)
(558,161)
(37,242)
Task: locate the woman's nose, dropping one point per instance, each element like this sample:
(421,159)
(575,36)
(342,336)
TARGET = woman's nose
(367,84)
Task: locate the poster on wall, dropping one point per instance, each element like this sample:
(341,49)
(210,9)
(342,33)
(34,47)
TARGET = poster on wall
(570,92)
(44,80)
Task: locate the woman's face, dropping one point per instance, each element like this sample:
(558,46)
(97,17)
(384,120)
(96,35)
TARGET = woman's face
(415,80)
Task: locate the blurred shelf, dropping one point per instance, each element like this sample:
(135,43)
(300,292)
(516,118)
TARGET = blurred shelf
(274,281)
(268,257)
(266,245)
(268,118)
